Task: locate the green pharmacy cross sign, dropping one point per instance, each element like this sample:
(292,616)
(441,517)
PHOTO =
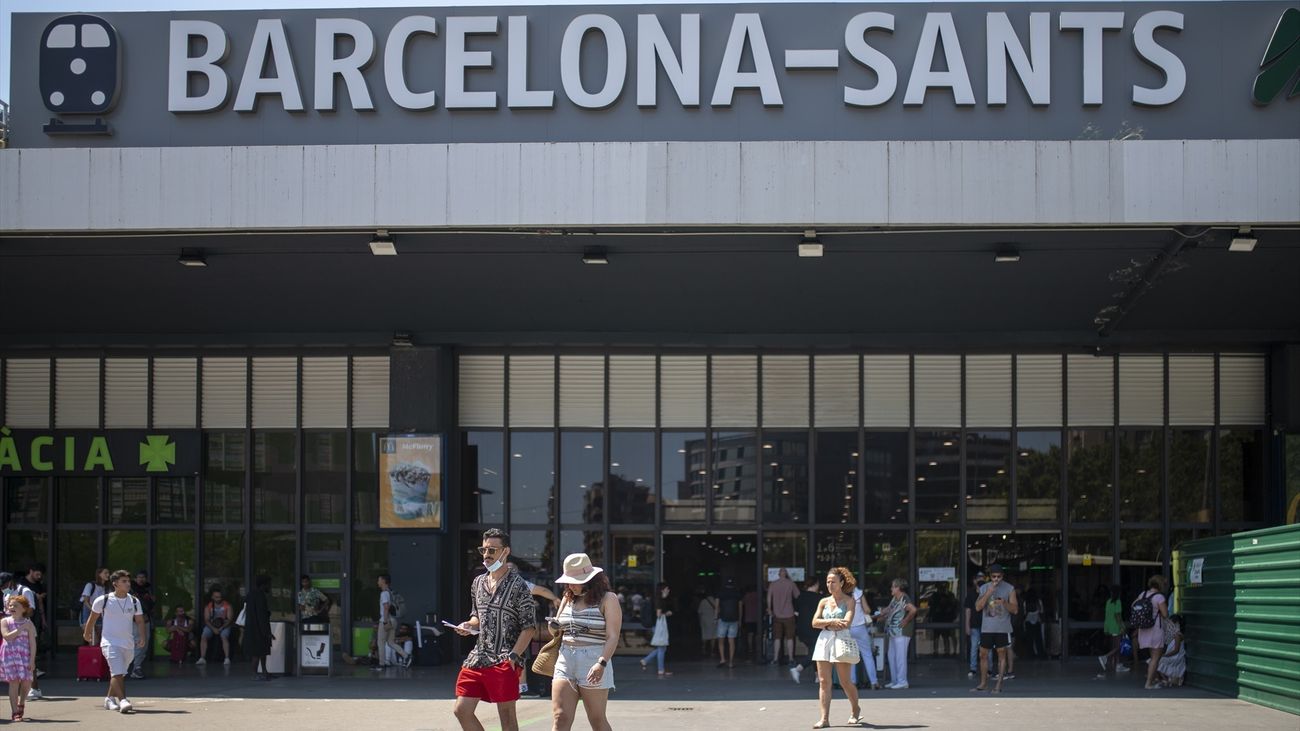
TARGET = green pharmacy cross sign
(109,452)
(1281,65)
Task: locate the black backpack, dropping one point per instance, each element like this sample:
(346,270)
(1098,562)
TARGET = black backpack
(1143,615)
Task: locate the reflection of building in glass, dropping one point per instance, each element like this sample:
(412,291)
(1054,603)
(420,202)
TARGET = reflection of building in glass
(735,477)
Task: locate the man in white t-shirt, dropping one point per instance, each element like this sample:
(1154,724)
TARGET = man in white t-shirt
(385,645)
(123,635)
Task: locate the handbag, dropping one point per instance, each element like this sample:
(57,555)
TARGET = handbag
(845,649)
(243,616)
(660,637)
(544,664)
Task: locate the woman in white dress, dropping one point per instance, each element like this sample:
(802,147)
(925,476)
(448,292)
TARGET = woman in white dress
(708,612)
(833,617)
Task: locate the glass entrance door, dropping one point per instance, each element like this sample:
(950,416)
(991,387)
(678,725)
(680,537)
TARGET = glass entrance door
(700,565)
(1031,562)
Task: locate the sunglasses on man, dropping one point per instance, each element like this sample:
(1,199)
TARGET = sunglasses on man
(489,550)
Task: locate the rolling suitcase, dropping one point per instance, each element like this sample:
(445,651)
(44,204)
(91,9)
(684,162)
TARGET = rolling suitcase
(91,664)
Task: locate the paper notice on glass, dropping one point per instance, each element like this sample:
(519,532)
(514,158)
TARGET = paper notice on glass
(1195,571)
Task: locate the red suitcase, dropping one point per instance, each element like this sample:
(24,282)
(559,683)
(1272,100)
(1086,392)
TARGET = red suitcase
(91,664)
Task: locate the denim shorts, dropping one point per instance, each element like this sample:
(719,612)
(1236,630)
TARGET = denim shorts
(575,662)
(728,629)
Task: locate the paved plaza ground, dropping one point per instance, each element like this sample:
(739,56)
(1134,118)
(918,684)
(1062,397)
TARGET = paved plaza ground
(1044,695)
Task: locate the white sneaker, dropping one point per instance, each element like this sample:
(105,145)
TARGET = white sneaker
(901,686)
(110,704)
(201,661)
(795,672)
(226,661)
(124,706)
(34,694)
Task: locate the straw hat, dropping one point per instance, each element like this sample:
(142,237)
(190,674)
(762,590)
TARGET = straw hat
(578,569)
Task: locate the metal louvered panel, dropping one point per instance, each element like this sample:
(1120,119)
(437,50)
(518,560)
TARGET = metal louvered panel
(1141,390)
(938,390)
(631,390)
(988,390)
(1038,390)
(1191,390)
(275,393)
(175,392)
(324,392)
(76,393)
(683,390)
(126,393)
(225,393)
(1241,390)
(582,390)
(886,390)
(532,390)
(27,393)
(1091,394)
(735,391)
(370,392)
(785,391)
(481,390)
(835,386)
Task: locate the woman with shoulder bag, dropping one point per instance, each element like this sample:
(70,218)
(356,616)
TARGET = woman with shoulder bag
(589,621)
(836,649)
(1151,604)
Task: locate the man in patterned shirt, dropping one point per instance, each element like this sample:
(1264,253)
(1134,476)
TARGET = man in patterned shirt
(502,615)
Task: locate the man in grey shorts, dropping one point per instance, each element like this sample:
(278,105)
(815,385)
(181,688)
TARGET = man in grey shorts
(996,605)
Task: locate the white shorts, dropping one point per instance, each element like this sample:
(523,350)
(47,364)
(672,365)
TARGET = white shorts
(119,658)
(576,660)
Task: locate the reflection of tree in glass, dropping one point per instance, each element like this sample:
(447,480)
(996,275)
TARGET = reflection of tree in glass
(1089,474)
(1190,497)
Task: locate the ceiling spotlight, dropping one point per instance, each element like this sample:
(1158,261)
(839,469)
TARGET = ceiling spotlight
(192,258)
(382,245)
(1243,241)
(810,247)
(1007,255)
(595,256)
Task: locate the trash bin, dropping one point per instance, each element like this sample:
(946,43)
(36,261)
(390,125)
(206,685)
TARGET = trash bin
(279,642)
(314,648)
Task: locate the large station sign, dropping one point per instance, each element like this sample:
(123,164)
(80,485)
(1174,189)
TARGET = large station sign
(108,452)
(607,73)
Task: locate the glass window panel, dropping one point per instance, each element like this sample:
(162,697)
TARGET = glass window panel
(127,549)
(365,478)
(174,500)
(325,482)
(1179,535)
(1241,474)
(683,475)
(885,462)
(785,477)
(631,478)
(483,490)
(223,478)
(938,476)
(590,542)
(75,560)
(274,553)
(1141,473)
(26,548)
(1292,472)
(223,564)
(1141,556)
(940,552)
(174,575)
(1088,642)
(582,498)
(1090,475)
(1038,475)
(884,558)
(633,565)
(837,477)
(1191,495)
(1089,563)
(369,560)
(735,477)
(275,484)
(988,476)
(532,475)
(128,500)
(25,499)
(785,549)
(324,542)
(533,551)
(76,499)
(835,548)
(471,562)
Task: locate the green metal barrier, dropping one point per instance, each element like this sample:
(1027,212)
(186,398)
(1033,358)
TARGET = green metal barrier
(1240,598)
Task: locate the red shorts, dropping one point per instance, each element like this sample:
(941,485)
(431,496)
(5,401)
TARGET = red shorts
(495,684)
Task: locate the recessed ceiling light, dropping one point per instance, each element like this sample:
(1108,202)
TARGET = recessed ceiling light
(1007,255)
(382,244)
(595,256)
(1243,241)
(192,258)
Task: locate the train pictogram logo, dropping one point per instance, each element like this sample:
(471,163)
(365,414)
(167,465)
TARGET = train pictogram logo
(80,71)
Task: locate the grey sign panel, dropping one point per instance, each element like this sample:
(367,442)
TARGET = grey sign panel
(588,73)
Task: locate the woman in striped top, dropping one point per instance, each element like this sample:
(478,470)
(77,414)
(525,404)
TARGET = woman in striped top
(589,620)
